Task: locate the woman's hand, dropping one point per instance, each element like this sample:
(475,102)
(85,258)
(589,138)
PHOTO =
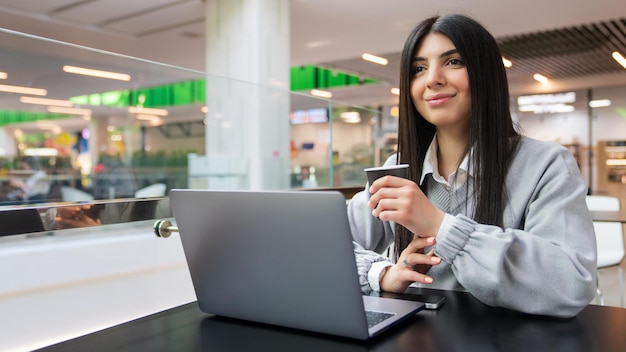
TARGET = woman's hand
(75,216)
(412,266)
(402,201)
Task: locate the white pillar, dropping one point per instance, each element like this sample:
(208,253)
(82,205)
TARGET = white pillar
(8,146)
(247,131)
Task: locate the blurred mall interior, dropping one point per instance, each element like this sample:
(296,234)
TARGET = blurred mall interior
(330,140)
(106,100)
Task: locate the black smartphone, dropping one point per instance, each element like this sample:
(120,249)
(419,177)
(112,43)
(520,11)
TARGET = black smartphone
(431,301)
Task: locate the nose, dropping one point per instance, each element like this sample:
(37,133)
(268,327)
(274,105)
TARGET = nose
(435,77)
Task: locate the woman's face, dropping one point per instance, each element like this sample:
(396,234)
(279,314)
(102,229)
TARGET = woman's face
(440,84)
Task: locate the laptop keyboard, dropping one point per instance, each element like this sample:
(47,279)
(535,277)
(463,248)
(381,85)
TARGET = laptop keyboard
(374,318)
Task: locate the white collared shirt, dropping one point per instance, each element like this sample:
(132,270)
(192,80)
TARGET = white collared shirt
(431,166)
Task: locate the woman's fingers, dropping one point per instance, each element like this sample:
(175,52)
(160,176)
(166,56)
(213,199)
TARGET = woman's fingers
(413,255)
(412,266)
(420,243)
(398,277)
(414,259)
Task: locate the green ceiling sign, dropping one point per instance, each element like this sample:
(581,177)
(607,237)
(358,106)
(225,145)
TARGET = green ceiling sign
(8,117)
(181,93)
(312,77)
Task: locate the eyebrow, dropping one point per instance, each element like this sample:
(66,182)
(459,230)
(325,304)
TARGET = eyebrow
(444,54)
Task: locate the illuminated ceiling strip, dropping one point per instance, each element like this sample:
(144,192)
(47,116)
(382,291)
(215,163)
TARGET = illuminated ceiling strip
(375,59)
(540,78)
(22,90)
(617,56)
(96,73)
(147,111)
(601,103)
(44,101)
(70,111)
(147,117)
(321,93)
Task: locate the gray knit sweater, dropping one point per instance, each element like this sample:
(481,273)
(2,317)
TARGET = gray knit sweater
(542,262)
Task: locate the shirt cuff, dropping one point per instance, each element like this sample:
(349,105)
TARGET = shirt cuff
(373,275)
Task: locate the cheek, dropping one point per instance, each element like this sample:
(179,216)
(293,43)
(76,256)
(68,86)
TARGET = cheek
(416,95)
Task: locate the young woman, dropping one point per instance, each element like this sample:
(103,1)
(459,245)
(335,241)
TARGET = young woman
(484,210)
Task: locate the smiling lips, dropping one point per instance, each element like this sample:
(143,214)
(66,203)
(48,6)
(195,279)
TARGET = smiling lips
(439,99)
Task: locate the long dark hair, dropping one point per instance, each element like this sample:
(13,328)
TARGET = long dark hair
(492,132)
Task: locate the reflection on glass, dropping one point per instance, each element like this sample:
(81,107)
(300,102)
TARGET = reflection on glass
(117,139)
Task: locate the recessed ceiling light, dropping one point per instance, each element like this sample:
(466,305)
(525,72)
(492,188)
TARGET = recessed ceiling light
(147,117)
(96,73)
(617,56)
(321,93)
(148,111)
(375,59)
(22,90)
(540,78)
(69,111)
(395,91)
(44,101)
(600,103)
(507,63)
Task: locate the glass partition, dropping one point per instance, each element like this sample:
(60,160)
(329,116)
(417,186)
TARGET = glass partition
(78,124)
(85,163)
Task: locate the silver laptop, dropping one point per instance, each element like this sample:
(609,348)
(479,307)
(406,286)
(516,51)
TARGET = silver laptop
(281,258)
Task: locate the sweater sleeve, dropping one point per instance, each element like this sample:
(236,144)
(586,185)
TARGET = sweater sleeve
(544,265)
(371,238)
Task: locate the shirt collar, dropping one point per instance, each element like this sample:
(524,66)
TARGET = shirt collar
(431,162)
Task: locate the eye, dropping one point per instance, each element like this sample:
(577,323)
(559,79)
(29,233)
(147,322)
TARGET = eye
(456,61)
(416,70)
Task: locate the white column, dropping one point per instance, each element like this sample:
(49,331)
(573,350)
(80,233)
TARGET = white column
(247,131)
(8,147)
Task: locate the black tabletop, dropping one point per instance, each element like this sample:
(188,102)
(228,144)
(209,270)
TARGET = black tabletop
(461,324)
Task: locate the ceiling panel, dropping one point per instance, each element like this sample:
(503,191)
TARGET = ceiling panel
(160,19)
(99,12)
(566,53)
